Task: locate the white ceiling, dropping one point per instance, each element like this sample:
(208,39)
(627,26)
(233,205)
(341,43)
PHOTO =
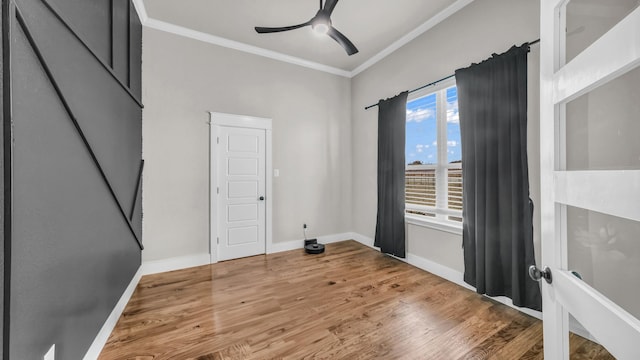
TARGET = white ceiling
(376,27)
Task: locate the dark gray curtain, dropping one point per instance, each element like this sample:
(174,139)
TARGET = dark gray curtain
(392,114)
(497,211)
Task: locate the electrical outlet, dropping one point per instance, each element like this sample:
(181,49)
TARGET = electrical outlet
(304,226)
(51,354)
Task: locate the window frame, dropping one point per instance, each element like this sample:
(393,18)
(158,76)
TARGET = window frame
(441,211)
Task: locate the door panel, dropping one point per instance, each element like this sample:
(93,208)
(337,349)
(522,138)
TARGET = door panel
(590,177)
(241,202)
(243,235)
(240,189)
(242,167)
(242,212)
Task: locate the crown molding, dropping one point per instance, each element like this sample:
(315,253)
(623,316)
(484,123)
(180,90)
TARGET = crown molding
(426,26)
(255,50)
(216,40)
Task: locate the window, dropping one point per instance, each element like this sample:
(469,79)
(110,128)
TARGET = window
(433,185)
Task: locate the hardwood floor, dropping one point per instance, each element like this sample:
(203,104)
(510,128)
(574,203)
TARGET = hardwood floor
(349,303)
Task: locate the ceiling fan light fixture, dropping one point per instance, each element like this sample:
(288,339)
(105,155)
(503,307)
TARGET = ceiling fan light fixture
(321,26)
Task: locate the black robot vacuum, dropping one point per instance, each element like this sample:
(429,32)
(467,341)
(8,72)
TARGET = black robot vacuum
(311,246)
(314,248)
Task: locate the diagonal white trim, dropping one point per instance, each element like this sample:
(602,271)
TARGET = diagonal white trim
(216,40)
(438,18)
(141,10)
(236,45)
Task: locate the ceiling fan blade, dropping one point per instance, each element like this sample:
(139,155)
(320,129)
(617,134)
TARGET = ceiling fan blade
(329,5)
(342,40)
(265,30)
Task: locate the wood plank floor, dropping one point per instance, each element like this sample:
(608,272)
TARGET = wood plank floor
(350,303)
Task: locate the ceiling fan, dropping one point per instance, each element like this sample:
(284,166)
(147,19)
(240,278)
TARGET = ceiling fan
(320,23)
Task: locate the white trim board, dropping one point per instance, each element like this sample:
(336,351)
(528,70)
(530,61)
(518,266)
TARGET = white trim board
(175,263)
(103,335)
(255,50)
(446,273)
(141,10)
(299,244)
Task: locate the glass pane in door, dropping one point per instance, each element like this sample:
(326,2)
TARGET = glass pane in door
(603,126)
(588,20)
(604,251)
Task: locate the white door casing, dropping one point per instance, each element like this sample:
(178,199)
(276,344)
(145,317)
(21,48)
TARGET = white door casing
(240,203)
(614,192)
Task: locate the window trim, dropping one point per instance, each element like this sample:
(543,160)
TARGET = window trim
(440,221)
(432,223)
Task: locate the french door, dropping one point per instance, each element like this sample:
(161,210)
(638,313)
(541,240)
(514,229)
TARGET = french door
(590,168)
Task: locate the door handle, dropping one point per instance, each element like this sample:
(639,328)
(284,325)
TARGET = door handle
(261,198)
(537,274)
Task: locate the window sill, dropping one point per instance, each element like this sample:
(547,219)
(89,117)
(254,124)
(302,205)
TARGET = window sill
(434,224)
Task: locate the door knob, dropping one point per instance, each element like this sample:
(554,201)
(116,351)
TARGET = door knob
(261,198)
(537,274)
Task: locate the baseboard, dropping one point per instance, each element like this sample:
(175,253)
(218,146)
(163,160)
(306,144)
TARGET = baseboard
(103,335)
(446,273)
(440,270)
(176,263)
(299,244)
(364,240)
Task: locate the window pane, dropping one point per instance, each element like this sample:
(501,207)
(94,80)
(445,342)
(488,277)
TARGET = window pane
(420,186)
(454,148)
(454,180)
(421,145)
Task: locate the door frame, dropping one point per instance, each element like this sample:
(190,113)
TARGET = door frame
(559,85)
(216,122)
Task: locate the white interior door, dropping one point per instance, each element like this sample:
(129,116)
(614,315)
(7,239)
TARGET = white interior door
(239,191)
(590,165)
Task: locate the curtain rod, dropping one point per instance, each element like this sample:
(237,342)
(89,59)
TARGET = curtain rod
(438,81)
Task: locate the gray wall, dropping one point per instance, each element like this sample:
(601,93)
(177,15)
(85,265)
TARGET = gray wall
(471,35)
(185,78)
(73,252)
